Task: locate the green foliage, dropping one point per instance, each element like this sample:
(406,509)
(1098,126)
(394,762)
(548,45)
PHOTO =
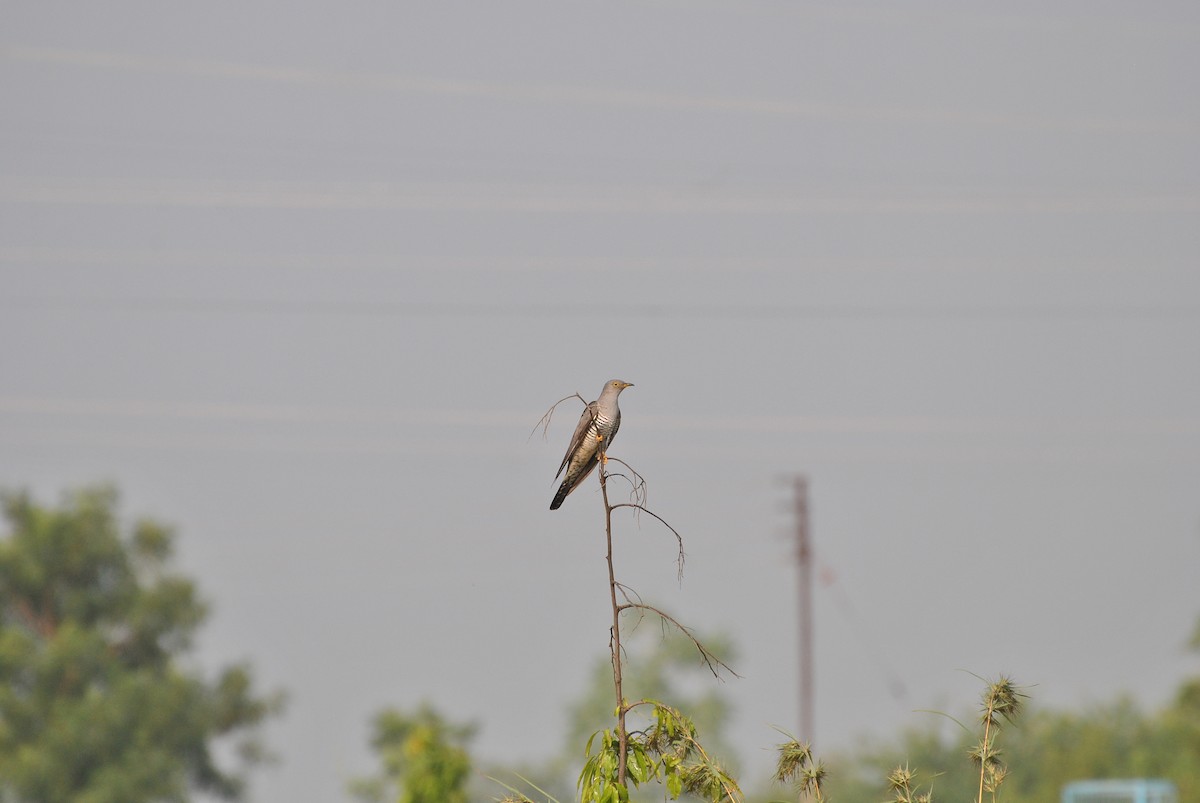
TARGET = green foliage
(425,759)
(598,781)
(661,665)
(94,706)
(1051,748)
(667,750)
(1115,740)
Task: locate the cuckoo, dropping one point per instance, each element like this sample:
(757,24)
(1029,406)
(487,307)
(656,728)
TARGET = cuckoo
(595,431)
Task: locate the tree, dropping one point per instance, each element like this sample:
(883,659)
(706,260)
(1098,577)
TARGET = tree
(425,759)
(95,705)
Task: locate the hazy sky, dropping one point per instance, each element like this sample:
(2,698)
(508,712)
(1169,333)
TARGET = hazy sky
(300,278)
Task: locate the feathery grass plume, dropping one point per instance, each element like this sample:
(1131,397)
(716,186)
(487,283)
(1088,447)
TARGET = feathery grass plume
(1002,698)
(707,779)
(900,785)
(796,765)
(1002,701)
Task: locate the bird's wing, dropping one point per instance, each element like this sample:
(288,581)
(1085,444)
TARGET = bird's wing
(585,421)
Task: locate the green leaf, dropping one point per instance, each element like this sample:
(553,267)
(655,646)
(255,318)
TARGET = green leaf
(674,783)
(638,767)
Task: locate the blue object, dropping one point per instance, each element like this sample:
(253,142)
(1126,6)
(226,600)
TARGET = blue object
(1136,790)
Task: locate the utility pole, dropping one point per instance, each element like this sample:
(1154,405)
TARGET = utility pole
(804,563)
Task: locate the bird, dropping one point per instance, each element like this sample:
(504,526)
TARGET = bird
(593,434)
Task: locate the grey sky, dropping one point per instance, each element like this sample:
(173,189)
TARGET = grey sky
(300,279)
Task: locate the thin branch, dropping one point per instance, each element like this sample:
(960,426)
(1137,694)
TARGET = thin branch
(711,661)
(625,594)
(678,537)
(637,483)
(626,591)
(639,703)
(544,421)
(615,639)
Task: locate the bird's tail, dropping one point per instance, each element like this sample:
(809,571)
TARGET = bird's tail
(563,490)
(575,477)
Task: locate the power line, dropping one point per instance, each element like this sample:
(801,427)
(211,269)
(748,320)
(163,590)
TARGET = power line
(562,94)
(646,310)
(144,409)
(167,259)
(567,198)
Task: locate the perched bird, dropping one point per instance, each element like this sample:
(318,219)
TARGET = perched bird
(595,431)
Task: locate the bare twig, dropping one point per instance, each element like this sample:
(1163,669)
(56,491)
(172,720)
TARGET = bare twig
(626,592)
(713,663)
(679,538)
(544,421)
(637,483)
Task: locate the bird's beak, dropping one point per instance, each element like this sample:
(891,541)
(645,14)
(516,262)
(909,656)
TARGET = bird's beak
(626,385)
